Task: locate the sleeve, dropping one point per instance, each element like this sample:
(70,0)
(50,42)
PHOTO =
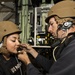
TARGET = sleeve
(1,70)
(65,65)
(31,70)
(44,62)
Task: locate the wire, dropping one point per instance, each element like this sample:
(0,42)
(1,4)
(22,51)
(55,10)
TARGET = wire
(54,54)
(55,49)
(18,62)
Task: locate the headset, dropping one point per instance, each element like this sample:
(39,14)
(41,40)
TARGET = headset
(65,25)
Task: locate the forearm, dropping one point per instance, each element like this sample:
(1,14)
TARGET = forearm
(34,53)
(44,62)
(31,70)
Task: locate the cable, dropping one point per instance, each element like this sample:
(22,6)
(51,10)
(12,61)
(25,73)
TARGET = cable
(54,54)
(20,67)
(55,49)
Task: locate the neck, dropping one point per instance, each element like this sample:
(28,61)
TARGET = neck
(6,56)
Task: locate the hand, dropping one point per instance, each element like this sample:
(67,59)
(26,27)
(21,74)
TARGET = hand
(30,50)
(24,57)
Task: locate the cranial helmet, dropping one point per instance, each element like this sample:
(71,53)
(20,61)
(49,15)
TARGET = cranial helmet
(63,9)
(8,27)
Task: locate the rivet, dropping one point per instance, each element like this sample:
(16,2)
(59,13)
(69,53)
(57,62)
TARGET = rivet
(4,29)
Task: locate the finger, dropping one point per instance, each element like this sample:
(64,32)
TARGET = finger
(24,52)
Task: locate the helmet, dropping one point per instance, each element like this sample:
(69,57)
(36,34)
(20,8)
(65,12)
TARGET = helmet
(63,9)
(8,27)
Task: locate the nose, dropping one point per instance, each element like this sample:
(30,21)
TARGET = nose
(17,42)
(49,28)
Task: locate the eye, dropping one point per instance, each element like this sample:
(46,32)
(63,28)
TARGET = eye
(50,24)
(13,40)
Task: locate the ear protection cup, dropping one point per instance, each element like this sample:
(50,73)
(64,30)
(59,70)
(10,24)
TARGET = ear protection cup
(65,25)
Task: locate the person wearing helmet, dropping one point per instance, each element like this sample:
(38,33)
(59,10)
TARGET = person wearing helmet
(9,43)
(61,24)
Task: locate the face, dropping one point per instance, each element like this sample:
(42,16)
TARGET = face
(62,34)
(12,43)
(53,27)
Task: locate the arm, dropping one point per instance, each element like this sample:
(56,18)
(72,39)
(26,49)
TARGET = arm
(41,60)
(44,62)
(31,70)
(65,65)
